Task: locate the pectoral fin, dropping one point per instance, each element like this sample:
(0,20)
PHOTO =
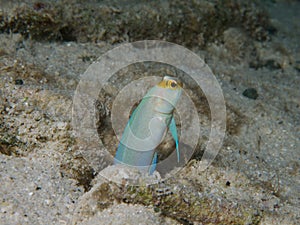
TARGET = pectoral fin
(153,164)
(173,130)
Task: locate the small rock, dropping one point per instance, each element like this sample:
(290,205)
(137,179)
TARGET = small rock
(19,82)
(62,125)
(251,93)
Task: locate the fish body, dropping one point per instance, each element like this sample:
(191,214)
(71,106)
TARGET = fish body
(148,124)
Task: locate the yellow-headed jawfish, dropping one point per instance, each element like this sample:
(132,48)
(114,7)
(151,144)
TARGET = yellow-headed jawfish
(147,126)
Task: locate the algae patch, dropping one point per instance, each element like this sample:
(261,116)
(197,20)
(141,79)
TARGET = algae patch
(177,201)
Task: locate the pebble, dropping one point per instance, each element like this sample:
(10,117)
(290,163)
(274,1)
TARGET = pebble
(251,93)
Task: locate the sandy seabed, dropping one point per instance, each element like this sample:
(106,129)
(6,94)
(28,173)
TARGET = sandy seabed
(44,175)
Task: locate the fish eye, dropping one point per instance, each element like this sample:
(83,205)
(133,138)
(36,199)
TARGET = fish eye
(173,84)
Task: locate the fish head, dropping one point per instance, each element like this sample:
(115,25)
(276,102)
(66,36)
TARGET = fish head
(167,93)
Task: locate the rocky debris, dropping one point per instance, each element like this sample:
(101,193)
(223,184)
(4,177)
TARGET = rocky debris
(181,199)
(192,23)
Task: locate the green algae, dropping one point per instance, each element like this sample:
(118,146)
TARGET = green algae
(179,202)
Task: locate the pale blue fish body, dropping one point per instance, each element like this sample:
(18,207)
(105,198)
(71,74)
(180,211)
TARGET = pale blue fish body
(148,124)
